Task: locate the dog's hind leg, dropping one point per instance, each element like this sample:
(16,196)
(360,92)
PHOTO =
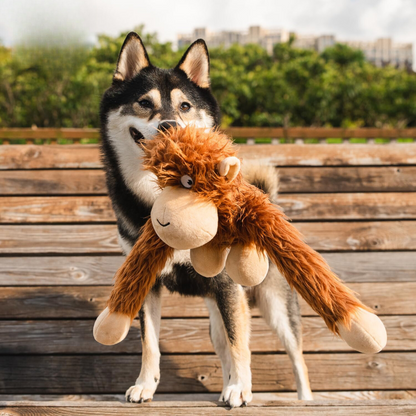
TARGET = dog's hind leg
(230,334)
(280,308)
(149,377)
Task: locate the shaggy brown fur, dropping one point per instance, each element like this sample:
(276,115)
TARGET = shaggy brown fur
(139,271)
(246,216)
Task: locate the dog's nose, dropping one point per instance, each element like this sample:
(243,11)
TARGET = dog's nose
(166,125)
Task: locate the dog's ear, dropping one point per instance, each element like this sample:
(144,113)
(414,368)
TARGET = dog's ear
(195,64)
(132,59)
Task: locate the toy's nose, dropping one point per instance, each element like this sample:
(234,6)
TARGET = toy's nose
(166,125)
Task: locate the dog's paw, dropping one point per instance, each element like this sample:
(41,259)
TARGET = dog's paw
(142,391)
(237,394)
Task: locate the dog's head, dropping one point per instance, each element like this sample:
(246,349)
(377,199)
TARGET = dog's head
(143,97)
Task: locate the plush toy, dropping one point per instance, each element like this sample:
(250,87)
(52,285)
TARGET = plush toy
(206,206)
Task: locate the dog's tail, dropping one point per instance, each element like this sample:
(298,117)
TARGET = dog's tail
(264,177)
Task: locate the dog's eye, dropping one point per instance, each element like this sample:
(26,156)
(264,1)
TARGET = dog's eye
(145,104)
(185,107)
(187,181)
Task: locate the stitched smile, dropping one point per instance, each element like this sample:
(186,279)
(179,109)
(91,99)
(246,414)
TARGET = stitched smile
(163,225)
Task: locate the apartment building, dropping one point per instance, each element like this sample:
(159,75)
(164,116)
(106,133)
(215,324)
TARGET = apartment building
(380,52)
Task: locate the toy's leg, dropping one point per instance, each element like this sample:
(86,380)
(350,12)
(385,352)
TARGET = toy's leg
(236,318)
(280,308)
(208,261)
(246,266)
(149,377)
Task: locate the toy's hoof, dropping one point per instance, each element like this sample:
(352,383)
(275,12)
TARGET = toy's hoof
(208,261)
(111,328)
(246,266)
(367,333)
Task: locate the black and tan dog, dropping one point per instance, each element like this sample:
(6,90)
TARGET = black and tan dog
(141,100)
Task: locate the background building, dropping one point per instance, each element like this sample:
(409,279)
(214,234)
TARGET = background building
(380,52)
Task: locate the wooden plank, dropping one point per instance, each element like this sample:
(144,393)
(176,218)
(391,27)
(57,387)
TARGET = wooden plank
(201,373)
(349,206)
(360,236)
(46,302)
(99,239)
(328,155)
(100,270)
(374,267)
(258,399)
(63,239)
(181,336)
(305,132)
(62,209)
(347,179)
(88,156)
(286,408)
(50,157)
(52,182)
(343,206)
(79,302)
(59,271)
(201,400)
(291,180)
(48,133)
(130,410)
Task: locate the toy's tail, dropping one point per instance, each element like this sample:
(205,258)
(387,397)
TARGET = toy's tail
(138,273)
(308,273)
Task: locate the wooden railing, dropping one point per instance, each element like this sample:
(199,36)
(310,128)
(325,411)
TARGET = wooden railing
(250,134)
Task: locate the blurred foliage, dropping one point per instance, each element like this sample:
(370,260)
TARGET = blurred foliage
(52,86)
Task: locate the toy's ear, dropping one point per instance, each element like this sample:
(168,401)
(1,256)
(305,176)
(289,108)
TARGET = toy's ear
(229,167)
(132,59)
(195,64)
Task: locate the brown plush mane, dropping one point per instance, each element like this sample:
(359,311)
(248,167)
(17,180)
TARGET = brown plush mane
(246,216)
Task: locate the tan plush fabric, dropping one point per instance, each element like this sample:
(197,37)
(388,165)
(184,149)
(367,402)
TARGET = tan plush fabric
(247,266)
(111,328)
(367,333)
(193,221)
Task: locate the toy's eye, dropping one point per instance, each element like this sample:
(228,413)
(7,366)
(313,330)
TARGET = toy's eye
(185,107)
(187,181)
(145,103)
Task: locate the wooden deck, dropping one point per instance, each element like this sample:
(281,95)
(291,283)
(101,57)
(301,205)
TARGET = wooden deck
(58,254)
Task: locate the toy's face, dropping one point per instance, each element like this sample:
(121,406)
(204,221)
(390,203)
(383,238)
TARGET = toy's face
(184,219)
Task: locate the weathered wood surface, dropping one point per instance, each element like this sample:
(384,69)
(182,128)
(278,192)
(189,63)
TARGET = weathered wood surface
(52,294)
(99,270)
(181,336)
(258,398)
(286,408)
(87,156)
(52,182)
(349,206)
(102,238)
(50,157)
(48,133)
(45,302)
(291,132)
(291,180)
(347,179)
(282,410)
(201,373)
(298,207)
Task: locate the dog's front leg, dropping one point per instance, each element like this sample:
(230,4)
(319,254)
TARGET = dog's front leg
(233,348)
(149,377)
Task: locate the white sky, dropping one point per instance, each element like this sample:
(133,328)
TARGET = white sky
(347,19)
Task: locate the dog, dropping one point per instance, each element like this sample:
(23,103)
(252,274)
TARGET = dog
(142,100)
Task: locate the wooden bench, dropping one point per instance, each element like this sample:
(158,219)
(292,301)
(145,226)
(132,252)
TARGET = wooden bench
(58,254)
